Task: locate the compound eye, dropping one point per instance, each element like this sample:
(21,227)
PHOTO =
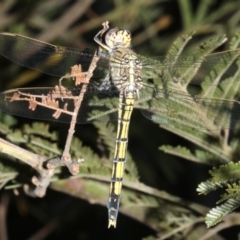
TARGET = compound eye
(118,38)
(110,36)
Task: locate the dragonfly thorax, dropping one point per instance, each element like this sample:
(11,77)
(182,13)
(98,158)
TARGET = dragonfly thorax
(125,70)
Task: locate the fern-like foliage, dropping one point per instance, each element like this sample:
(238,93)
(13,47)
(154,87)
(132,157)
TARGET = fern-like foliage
(227,177)
(215,215)
(220,81)
(198,156)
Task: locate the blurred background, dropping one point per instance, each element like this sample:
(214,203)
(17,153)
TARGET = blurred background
(64,213)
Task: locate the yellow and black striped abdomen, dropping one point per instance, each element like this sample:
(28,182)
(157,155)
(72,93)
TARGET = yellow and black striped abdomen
(126,102)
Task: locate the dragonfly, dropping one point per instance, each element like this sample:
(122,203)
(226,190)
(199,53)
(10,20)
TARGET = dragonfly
(122,81)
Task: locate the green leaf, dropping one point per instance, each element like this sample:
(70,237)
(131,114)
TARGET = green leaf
(228,177)
(183,152)
(215,215)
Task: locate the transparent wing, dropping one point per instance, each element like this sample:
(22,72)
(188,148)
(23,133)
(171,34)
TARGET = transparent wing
(54,105)
(57,61)
(158,102)
(47,58)
(172,107)
(162,105)
(192,69)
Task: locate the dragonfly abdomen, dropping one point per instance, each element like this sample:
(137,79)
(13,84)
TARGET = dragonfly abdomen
(126,102)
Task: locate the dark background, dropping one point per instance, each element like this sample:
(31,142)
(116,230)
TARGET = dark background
(154,26)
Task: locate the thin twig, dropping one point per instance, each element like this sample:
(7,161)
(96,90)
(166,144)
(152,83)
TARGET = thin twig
(34,160)
(66,156)
(65,21)
(181,228)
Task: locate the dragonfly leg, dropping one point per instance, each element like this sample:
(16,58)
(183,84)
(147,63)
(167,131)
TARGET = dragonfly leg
(106,83)
(98,37)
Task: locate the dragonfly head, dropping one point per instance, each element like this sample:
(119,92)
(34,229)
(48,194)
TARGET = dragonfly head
(118,38)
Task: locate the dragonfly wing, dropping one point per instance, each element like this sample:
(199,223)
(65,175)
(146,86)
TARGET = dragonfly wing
(172,107)
(102,106)
(54,105)
(193,69)
(45,57)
